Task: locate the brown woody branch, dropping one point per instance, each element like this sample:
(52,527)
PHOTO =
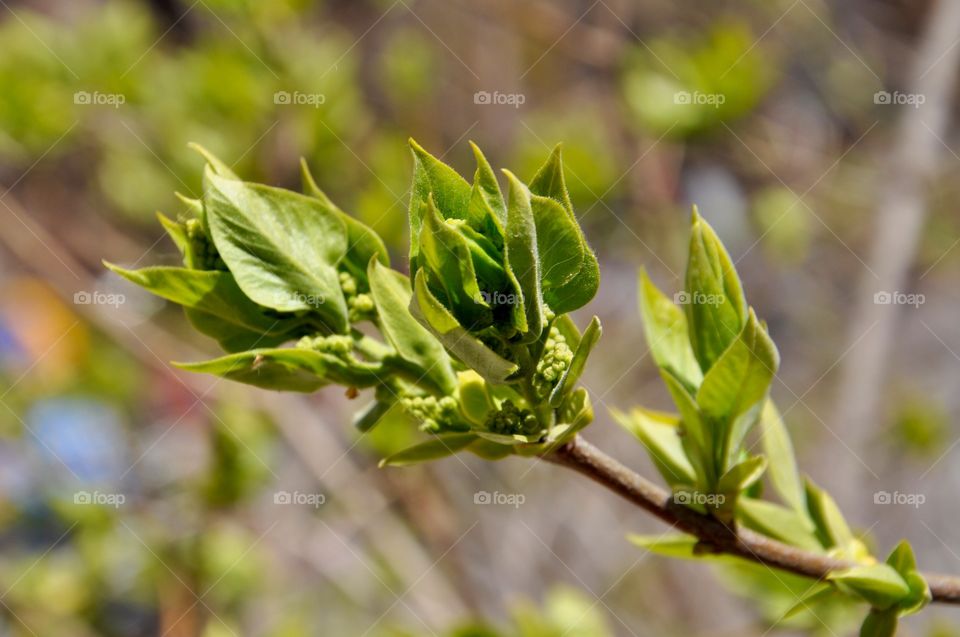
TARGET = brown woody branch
(714,536)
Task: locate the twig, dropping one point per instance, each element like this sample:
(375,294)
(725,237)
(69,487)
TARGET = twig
(583,457)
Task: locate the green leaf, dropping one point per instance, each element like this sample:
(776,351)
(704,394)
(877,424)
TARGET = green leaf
(659,434)
(677,546)
(414,343)
(879,623)
(451,194)
(832,529)
(520,252)
(903,561)
(489,450)
(211,292)
(446,255)
(715,306)
(697,438)
(175,231)
(433,449)
(549,182)
(741,377)
(235,338)
(665,328)
(735,388)
(218,166)
(878,584)
(370,416)
(778,522)
(783,472)
(522,260)
(742,476)
(505,439)
(363,243)
(287,369)
(577,364)
(282,247)
(580,288)
(816,593)
(559,244)
(430,312)
(485,196)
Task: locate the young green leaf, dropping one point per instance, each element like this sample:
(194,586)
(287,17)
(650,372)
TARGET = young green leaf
(485,196)
(715,306)
(520,251)
(559,244)
(783,472)
(879,623)
(742,476)
(575,369)
(451,194)
(211,292)
(445,254)
(218,166)
(679,546)
(660,435)
(665,328)
(778,522)
(903,561)
(878,584)
(413,342)
(370,416)
(282,247)
(175,231)
(272,368)
(289,369)
(363,243)
(697,437)
(832,528)
(433,449)
(430,312)
(549,181)
(563,291)
(235,338)
(741,377)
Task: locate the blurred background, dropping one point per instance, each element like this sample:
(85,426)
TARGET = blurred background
(819,138)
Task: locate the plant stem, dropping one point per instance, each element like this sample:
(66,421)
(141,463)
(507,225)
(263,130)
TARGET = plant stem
(583,457)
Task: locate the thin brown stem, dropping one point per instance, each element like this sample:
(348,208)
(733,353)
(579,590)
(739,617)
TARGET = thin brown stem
(714,536)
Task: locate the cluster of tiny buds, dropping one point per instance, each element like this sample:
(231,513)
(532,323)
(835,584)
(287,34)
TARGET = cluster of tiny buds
(554,362)
(335,344)
(434,414)
(510,419)
(204,253)
(360,305)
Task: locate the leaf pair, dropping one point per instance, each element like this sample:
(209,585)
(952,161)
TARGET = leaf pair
(893,589)
(718,363)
